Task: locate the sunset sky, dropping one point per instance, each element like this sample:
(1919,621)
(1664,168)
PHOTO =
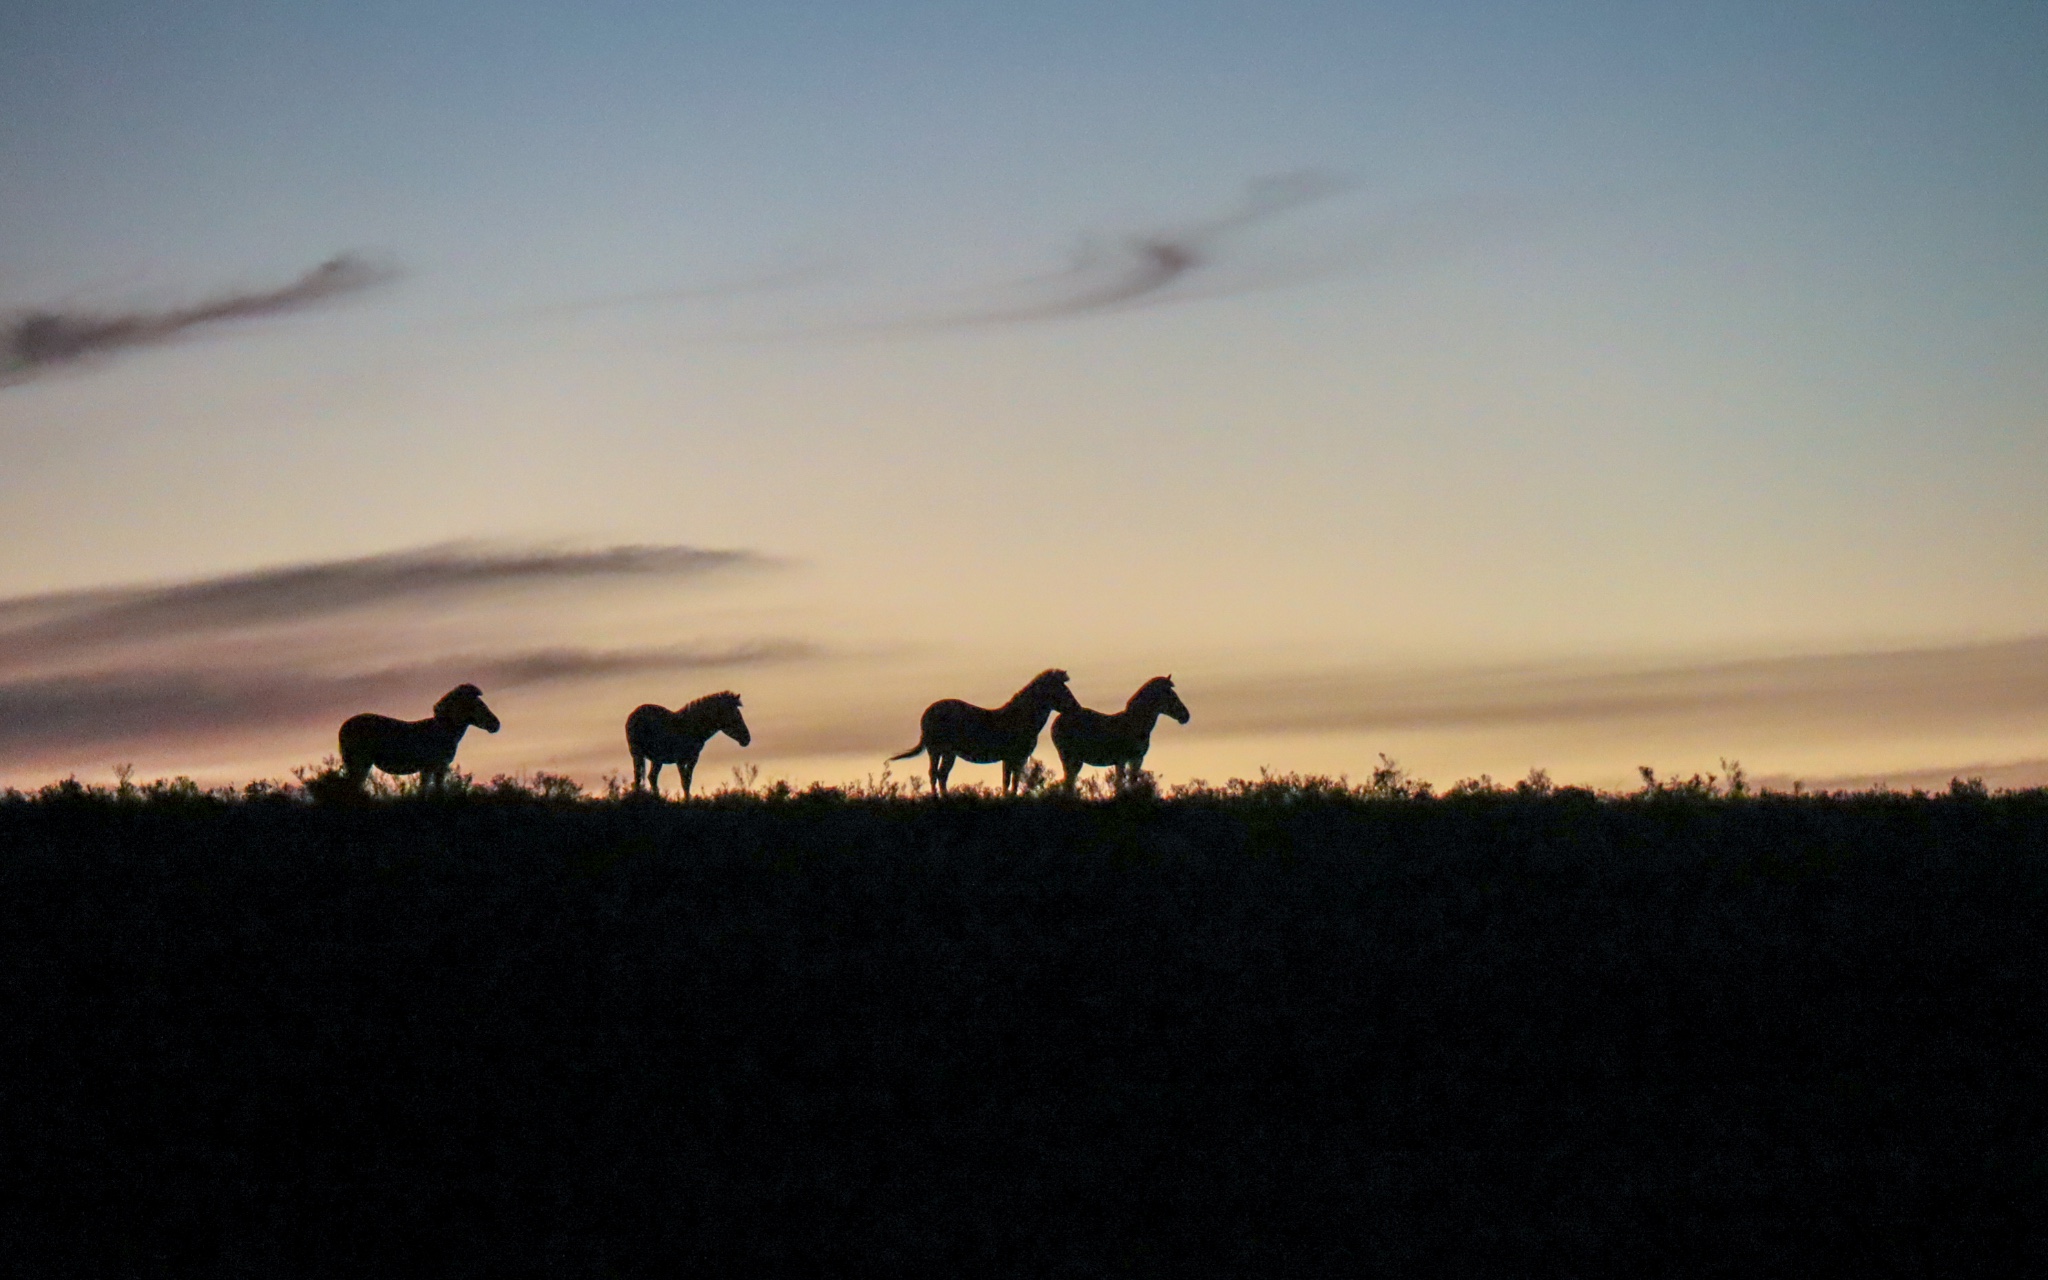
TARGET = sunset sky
(1492,385)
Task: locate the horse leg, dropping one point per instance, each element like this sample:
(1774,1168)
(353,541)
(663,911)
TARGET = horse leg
(942,768)
(688,768)
(639,772)
(654,776)
(1072,764)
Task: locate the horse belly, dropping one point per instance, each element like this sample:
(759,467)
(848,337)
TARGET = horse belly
(1094,744)
(672,751)
(955,728)
(413,757)
(660,746)
(395,746)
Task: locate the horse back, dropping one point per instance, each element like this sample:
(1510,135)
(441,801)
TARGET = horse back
(360,734)
(949,717)
(648,729)
(953,727)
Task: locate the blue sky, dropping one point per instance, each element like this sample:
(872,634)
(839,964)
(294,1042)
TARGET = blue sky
(1638,336)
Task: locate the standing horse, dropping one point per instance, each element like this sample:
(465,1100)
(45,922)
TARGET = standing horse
(1084,737)
(426,747)
(955,729)
(657,736)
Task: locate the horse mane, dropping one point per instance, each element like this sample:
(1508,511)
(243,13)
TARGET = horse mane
(725,697)
(459,693)
(1050,678)
(1151,688)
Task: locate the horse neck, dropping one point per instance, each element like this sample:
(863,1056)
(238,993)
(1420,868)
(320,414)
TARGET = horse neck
(1030,707)
(449,727)
(1142,716)
(1143,710)
(698,722)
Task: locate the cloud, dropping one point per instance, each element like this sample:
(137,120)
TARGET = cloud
(2013,775)
(166,667)
(561,665)
(35,342)
(1959,685)
(66,624)
(1137,270)
(1143,269)
(57,718)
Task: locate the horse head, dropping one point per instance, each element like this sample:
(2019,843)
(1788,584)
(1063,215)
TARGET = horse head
(1157,695)
(464,705)
(1049,688)
(730,720)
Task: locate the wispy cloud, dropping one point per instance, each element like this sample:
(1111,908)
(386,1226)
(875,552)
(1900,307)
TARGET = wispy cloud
(162,668)
(2004,682)
(1139,270)
(2009,774)
(57,718)
(1206,258)
(563,665)
(34,628)
(37,341)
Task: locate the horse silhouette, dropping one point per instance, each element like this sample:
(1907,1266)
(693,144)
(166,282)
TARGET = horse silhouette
(1085,737)
(953,729)
(426,747)
(657,736)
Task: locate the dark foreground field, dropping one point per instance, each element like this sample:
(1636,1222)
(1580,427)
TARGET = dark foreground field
(1280,1034)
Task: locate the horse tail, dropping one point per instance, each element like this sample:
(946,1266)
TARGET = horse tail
(913,751)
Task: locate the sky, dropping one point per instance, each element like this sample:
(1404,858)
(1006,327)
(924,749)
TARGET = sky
(1494,386)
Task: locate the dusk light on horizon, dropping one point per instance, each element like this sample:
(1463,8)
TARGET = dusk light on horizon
(1493,387)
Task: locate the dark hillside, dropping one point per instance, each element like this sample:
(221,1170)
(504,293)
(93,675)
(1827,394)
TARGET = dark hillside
(1280,1033)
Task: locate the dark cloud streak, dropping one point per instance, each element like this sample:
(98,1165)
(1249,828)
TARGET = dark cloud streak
(1951,685)
(64,624)
(58,718)
(34,342)
(560,665)
(2012,774)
